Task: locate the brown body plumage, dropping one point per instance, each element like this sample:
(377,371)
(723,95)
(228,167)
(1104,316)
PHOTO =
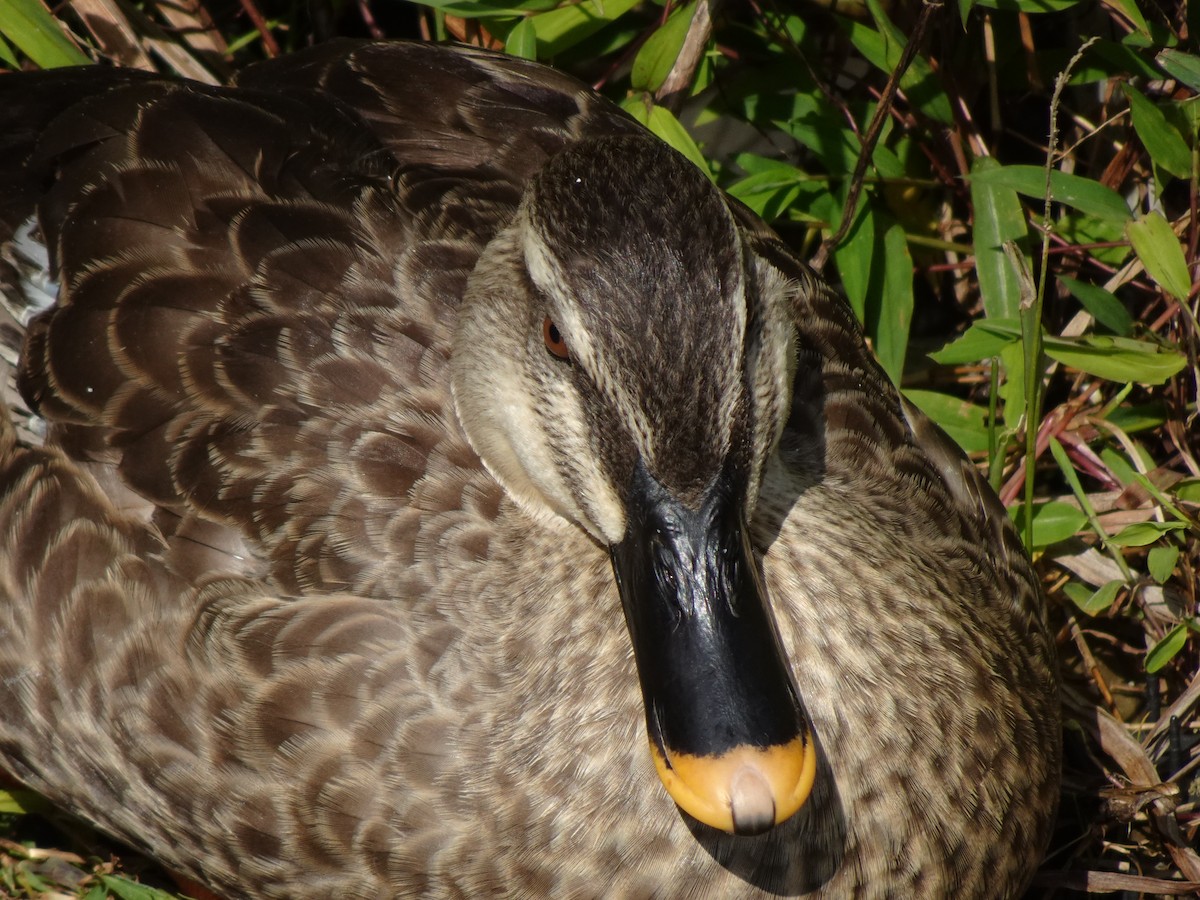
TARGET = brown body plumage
(265,613)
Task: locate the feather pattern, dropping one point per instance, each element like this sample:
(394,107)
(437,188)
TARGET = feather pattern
(265,611)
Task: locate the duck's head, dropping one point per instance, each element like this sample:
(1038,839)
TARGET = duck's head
(624,361)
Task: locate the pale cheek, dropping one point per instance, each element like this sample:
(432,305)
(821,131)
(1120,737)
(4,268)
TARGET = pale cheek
(571,470)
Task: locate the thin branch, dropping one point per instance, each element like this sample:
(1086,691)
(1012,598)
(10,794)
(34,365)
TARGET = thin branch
(871,138)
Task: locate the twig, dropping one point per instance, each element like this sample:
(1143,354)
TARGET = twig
(1031,308)
(1093,668)
(674,88)
(270,45)
(368,19)
(871,137)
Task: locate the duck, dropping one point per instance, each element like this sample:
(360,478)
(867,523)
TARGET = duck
(419,480)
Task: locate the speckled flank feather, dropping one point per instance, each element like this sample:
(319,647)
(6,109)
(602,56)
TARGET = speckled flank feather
(266,614)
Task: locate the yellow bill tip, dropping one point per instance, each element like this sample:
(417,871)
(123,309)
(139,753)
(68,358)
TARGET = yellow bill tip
(746,790)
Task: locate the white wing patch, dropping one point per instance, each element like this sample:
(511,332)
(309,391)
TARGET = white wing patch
(26,289)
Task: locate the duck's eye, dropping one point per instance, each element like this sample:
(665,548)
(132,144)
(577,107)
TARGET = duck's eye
(554,341)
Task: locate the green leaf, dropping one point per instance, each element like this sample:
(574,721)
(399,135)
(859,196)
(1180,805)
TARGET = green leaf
(1166,649)
(983,340)
(965,422)
(29,25)
(1140,417)
(815,123)
(1116,359)
(7,56)
(883,49)
(1129,9)
(522,40)
(1053,521)
(887,163)
(566,26)
(1139,534)
(771,193)
(1161,253)
(653,62)
(18,801)
(1188,490)
(757,164)
(998,218)
(490,9)
(1118,464)
(1181,66)
(663,123)
(1029,6)
(858,261)
(1161,562)
(896,303)
(1078,228)
(1107,59)
(1166,146)
(1103,305)
(1083,194)
(1093,602)
(1012,388)
(131,890)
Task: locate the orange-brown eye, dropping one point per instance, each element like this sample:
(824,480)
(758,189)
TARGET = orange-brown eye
(554,341)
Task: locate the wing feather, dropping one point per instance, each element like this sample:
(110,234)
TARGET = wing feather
(254,324)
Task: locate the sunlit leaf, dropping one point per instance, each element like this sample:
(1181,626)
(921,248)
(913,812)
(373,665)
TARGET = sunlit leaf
(1161,562)
(568,25)
(1165,145)
(884,49)
(663,123)
(1188,490)
(653,62)
(1139,534)
(1012,388)
(1083,194)
(816,124)
(965,422)
(1093,602)
(1118,464)
(858,261)
(1134,418)
(522,40)
(1161,253)
(29,25)
(17,801)
(1109,243)
(1029,6)
(1182,66)
(771,192)
(132,890)
(1053,521)
(7,56)
(756,164)
(1117,359)
(983,340)
(1129,10)
(1167,648)
(490,9)
(998,218)
(896,303)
